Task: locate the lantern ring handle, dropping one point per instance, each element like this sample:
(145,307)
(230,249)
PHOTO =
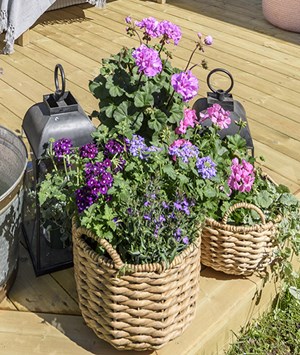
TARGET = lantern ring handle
(222,71)
(59,93)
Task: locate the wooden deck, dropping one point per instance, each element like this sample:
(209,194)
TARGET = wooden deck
(41,315)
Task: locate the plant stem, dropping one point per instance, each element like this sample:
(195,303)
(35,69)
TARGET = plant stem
(191,56)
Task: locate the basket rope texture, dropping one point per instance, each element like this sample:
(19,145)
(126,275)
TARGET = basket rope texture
(238,250)
(145,307)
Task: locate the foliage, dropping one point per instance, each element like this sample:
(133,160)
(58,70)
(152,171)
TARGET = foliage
(276,332)
(138,97)
(156,168)
(126,186)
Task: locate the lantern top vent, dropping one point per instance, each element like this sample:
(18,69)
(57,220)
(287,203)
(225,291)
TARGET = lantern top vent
(58,116)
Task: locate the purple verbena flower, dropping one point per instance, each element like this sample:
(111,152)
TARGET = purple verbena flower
(84,198)
(170,31)
(147,60)
(95,169)
(147,217)
(185,84)
(113,147)
(89,150)
(94,185)
(106,179)
(62,147)
(206,167)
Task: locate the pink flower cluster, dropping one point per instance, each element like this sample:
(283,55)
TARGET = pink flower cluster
(217,115)
(242,176)
(155,29)
(185,84)
(147,60)
(190,120)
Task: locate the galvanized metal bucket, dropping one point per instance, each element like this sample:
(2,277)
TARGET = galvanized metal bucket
(13,161)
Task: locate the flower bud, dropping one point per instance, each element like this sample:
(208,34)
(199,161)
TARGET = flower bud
(208,40)
(128,19)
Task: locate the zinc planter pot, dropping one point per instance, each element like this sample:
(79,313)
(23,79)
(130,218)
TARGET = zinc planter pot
(283,13)
(135,307)
(13,161)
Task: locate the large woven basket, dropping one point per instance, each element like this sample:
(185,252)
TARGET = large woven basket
(142,309)
(238,250)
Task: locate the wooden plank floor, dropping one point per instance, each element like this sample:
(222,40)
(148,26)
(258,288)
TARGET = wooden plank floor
(41,315)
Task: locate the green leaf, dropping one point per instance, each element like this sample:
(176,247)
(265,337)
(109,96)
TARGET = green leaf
(115,91)
(169,170)
(264,199)
(176,113)
(288,199)
(160,116)
(121,111)
(154,124)
(295,292)
(209,192)
(143,99)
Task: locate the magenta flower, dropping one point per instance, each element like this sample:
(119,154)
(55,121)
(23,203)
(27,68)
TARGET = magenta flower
(208,40)
(170,31)
(190,119)
(242,176)
(217,115)
(185,84)
(147,60)
(150,26)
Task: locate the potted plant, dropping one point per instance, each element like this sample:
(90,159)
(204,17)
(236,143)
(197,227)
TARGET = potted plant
(251,221)
(136,228)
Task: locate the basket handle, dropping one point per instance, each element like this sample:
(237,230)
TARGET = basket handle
(244,205)
(78,232)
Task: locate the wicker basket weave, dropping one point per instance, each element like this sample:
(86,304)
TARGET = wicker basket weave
(238,250)
(143,309)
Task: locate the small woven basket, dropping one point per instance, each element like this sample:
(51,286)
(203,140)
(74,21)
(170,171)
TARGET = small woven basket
(142,309)
(238,250)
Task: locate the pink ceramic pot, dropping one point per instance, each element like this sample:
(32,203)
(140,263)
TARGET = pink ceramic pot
(283,13)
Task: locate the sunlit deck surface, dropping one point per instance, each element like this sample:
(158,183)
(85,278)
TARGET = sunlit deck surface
(41,315)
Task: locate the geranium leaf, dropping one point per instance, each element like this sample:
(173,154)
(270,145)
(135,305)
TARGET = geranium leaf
(121,111)
(143,99)
(154,124)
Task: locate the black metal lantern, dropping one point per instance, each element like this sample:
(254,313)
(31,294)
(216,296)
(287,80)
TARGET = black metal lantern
(58,116)
(226,101)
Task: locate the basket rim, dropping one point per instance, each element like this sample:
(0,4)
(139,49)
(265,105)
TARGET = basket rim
(240,228)
(132,268)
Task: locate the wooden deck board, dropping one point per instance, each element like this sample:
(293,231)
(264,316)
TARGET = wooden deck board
(41,315)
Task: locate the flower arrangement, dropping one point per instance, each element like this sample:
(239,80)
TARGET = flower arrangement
(135,185)
(154,172)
